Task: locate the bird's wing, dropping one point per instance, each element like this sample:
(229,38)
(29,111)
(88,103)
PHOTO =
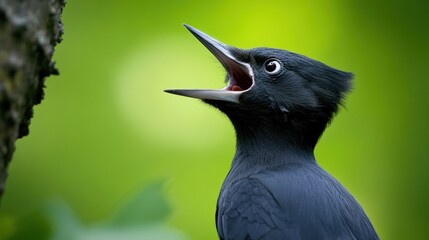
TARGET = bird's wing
(299,204)
(249,211)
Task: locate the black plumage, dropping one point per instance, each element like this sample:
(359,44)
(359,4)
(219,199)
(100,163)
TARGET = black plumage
(280,103)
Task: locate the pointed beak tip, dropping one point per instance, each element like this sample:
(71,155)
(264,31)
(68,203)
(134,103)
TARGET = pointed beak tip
(206,94)
(191,29)
(172,91)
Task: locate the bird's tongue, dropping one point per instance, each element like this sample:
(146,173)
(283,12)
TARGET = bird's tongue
(236,88)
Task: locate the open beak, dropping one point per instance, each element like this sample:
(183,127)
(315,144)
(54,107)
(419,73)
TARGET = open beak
(240,74)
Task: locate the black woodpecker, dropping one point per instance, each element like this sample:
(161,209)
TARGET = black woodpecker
(280,103)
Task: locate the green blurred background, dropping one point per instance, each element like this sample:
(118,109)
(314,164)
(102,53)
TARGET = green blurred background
(105,128)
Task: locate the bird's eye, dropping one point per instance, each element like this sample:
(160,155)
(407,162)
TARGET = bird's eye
(272,66)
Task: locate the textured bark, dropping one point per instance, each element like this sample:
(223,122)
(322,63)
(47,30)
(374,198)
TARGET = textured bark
(29,31)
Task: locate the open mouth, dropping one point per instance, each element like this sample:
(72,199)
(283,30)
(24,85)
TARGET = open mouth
(240,74)
(239,79)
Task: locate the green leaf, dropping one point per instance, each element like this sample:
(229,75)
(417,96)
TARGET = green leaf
(141,217)
(153,232)
(148,206)
(65,226)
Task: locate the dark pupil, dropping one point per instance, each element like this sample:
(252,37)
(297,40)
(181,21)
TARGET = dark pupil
(270,66)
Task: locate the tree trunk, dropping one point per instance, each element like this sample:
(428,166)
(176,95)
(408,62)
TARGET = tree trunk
(29,31)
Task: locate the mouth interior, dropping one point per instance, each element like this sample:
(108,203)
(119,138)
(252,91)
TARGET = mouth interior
(239,79)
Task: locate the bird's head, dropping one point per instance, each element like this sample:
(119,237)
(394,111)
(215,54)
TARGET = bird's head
(273,89)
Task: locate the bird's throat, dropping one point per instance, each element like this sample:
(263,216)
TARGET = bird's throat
(271,148)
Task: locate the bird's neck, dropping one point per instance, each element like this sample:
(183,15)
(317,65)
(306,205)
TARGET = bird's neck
(275,140)
(271,146)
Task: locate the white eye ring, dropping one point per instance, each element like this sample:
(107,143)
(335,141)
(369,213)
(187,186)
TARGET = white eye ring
(272,66)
